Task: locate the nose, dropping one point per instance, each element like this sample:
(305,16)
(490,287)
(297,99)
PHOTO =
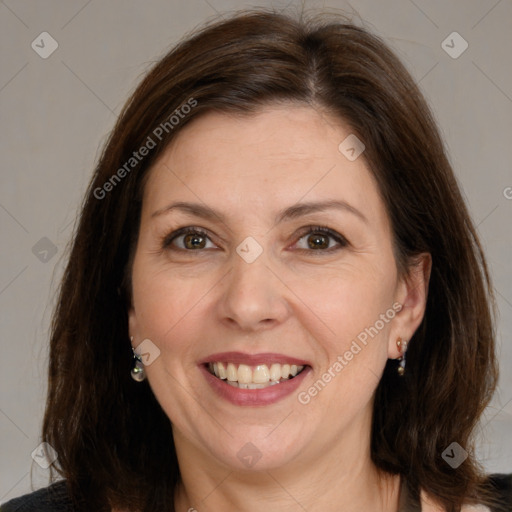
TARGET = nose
(253,298)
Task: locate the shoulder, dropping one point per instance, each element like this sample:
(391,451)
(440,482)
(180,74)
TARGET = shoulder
(54,498)
(500,486)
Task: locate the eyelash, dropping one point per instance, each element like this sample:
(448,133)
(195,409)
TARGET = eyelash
(310,230)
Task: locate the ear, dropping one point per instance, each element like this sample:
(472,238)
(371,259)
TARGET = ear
(411,293)
(133,327)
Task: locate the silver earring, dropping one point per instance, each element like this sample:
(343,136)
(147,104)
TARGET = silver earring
(138,372)
(402,348)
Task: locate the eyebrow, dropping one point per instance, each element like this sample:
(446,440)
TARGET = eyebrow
(292,212)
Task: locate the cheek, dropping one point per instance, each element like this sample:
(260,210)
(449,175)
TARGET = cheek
(168,308)
(368,319)
(350,325)
(345,301)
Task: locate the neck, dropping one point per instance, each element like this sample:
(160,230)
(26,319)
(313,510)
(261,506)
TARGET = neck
(341,479)
(273,492)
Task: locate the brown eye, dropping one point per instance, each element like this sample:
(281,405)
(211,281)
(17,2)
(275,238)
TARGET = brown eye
(188,239)
(320,239)
(194,241)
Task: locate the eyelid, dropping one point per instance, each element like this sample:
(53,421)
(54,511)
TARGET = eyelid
(169,238)
(338,237)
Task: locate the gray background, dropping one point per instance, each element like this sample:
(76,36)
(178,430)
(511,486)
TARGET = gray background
(56,113)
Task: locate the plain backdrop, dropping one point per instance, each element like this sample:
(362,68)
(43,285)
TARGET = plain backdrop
(57,111)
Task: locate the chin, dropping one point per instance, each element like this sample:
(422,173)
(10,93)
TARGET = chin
(259,448)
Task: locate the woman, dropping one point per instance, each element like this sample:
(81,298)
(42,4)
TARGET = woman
(275,297)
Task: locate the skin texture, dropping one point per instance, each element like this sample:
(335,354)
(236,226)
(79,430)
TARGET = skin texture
(294,300)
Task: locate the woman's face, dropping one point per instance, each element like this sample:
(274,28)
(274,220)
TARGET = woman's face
(286,263)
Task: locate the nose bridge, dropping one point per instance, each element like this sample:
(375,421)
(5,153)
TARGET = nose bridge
(253,297)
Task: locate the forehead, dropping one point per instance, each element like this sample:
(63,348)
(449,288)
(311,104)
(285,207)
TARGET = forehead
(280,154)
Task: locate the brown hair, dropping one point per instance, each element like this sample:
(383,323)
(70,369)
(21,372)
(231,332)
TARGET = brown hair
(114,441)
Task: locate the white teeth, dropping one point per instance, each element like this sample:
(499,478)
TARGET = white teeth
(244,374)
(275,372)
(260,376)
(231,372)
(251,385)
(222,371)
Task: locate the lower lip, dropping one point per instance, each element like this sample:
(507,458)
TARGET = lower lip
(265,396)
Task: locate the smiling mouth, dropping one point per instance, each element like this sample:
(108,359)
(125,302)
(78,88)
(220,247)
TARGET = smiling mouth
(254,377)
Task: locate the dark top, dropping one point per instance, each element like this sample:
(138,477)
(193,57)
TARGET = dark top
(55,498)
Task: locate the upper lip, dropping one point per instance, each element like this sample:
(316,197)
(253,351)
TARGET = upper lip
(253,359)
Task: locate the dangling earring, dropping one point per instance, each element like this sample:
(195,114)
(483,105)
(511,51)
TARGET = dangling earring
(402,348)
(138,372)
